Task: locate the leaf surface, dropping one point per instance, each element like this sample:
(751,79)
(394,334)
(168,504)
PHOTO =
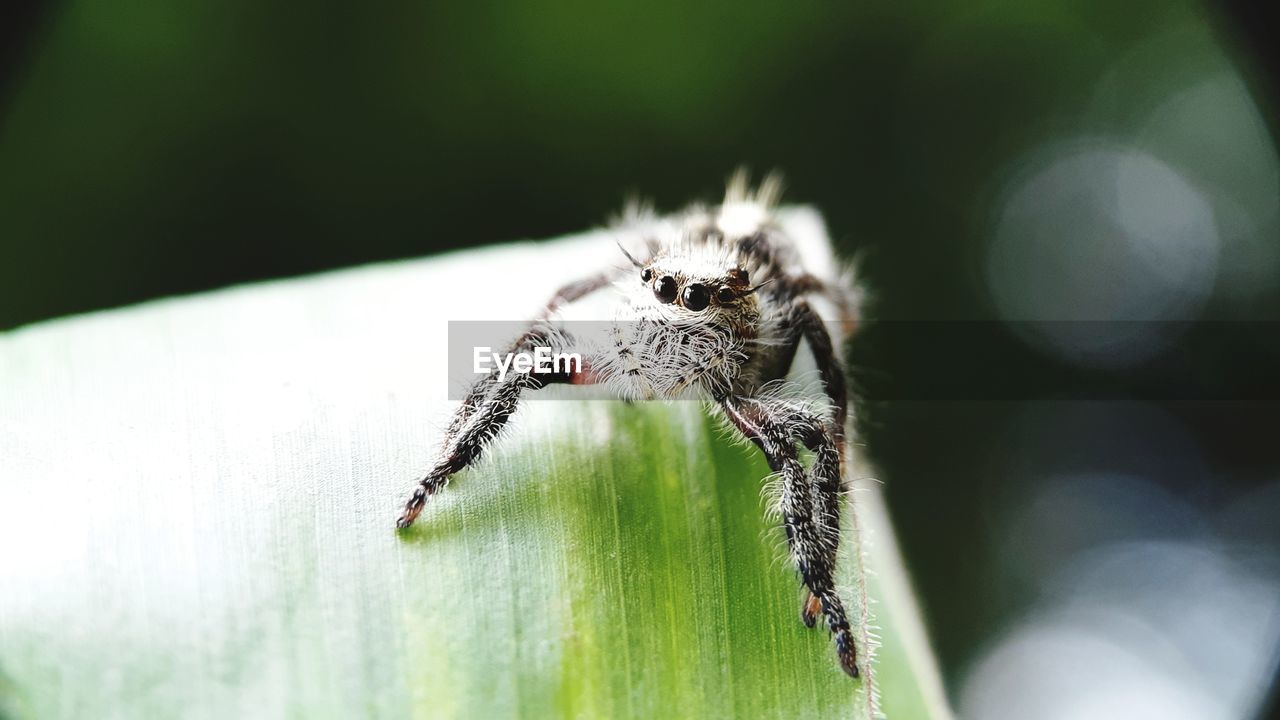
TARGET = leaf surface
(197,500)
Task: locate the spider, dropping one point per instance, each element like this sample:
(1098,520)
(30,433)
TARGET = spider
(716,306)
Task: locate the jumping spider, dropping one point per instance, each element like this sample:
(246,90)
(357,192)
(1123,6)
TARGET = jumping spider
(718,306)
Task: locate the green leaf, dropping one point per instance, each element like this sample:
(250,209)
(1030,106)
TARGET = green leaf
(197,499)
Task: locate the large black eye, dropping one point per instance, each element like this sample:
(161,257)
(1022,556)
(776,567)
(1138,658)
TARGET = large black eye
(665,289)
(696,297)
(646,275)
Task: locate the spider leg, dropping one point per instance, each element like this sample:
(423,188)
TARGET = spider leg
(575,291)
(828,480)
(803,322)
(466,445)
(490,403)
(829,367)
(483,421)
(774,426)
(475,397)
(807,283)
(831,480)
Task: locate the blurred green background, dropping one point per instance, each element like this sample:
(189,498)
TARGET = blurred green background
(149,149)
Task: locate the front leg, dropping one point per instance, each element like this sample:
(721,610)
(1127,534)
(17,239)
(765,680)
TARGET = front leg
(488,404)
(481,418)
(565,295)
(773,427)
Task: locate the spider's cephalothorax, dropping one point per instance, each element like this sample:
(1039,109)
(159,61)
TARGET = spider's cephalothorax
(717,304)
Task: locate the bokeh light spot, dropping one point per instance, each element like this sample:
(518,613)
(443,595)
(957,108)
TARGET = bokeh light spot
(1094,247)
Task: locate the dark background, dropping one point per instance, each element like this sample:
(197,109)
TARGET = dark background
(149,149)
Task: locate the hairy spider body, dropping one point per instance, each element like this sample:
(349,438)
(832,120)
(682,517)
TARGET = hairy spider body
(716,304)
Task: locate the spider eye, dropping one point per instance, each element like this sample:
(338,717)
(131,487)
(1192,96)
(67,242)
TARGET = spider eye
(725,295)
(646,275)
(665,289)
(696,297)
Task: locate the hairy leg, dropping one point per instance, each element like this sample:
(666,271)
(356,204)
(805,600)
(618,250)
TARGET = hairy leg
(826,442)
(482,415)
(774,427)
(802,322)
(830,369)
(570,293)
(575,291)
(828,482)
(483,422)
(466,445)
(805,284)
(828,445)
(827,473)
